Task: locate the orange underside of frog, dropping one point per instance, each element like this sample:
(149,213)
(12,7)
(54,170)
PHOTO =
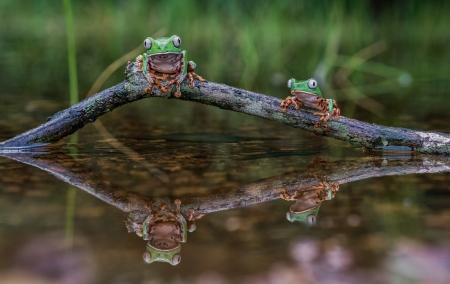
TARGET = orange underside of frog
(158,77)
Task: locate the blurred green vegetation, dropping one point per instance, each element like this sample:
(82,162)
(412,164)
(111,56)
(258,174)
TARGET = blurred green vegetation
(254,45)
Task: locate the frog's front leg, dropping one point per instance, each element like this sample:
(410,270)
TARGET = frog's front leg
(191,219)
(288,101)
(324,116)
(191,68)
(336,111)
(139,62)
(286,196)
(324,184)
(179,78)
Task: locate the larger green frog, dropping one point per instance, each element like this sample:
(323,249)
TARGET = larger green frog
(165,230)
(164,60)
(308,93)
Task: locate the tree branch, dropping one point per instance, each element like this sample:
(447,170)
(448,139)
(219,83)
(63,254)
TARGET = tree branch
(370,136)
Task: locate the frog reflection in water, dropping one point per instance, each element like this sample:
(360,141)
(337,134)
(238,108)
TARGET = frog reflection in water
(164,56)
(165,231)
(308,93)
(307,204)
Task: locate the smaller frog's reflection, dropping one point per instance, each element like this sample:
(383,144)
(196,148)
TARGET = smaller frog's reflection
(165,230)
(307,203)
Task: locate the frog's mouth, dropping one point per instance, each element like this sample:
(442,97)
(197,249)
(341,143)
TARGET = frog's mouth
(167,62)
(165,56)
(296,92)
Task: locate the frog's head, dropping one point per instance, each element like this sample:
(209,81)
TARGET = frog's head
(171,256)
(304,87)
(162,45)
(164,241)
(308,216)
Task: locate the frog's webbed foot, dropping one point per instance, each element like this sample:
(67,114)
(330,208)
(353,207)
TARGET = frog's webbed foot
(139,230)
(336,114)
(178,90)
(323,120)
(326,190)
(286,196)
(191,76)
(176,81)
(139,62)
(151,81)
(178,204)
(288,101)
(285,103)
(191,219)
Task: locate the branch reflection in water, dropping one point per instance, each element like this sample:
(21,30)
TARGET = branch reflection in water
(164,221)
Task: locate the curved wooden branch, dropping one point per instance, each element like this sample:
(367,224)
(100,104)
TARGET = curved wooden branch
(75,173)
(370,136)
(133,204)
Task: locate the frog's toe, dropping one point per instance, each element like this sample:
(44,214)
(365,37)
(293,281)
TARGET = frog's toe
(200,78)
(149,89)
(191,66)
(177,94)
(191,80)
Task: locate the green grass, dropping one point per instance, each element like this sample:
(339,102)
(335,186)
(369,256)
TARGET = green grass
(252,44)
(73,91)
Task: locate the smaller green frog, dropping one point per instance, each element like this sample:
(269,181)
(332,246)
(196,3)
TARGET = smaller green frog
(308,93)
(307,203)
(164,60)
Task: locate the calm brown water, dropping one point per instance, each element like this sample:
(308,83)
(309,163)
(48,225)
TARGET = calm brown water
(390,228)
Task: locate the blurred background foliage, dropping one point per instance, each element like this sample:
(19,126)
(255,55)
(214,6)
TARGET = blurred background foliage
(361,52)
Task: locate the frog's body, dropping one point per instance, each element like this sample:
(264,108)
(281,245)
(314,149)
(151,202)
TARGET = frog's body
(307,93)
(164,56)
(165,231)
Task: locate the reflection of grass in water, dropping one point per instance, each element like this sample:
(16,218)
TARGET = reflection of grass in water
(71,193)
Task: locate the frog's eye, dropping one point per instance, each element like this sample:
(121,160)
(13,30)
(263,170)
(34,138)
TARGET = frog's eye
(311,219)
(176,41)
(147,43)
(176,259)
(312,84)
(289,83)
(147,257)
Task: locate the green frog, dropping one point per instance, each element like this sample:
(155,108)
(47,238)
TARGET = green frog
(164,60)
(307,204)
(307,93)
(165,231)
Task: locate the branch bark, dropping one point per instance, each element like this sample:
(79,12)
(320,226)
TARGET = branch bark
(370,136)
